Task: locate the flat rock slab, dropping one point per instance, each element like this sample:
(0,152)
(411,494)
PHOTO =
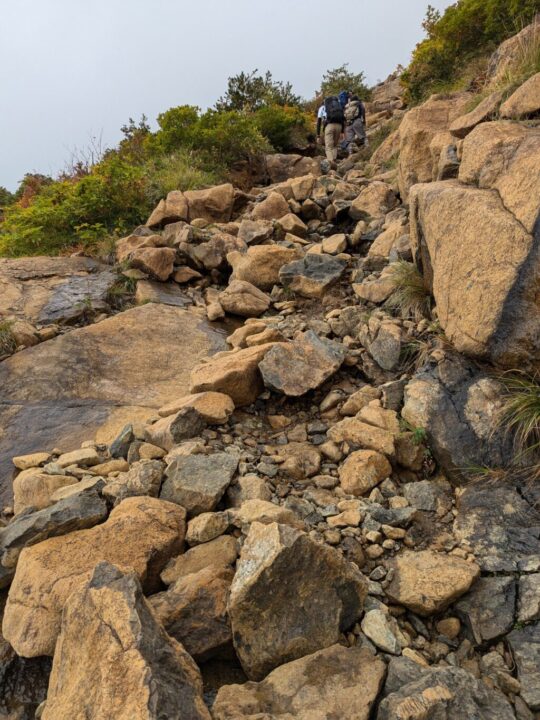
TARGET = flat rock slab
(60,392)
(312,275)
(334,683)
(156,292)
(47,290)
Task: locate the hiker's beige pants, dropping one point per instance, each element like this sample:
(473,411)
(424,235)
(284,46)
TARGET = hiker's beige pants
(332,133)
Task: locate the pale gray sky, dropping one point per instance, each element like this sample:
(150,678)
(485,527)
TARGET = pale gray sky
(70,69)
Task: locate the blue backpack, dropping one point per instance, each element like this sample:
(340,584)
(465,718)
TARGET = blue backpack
(343,98)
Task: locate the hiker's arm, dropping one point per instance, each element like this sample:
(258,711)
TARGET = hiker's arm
(319,126)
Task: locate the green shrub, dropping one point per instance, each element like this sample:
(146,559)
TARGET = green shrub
(467,30)
(8,344)
(284,127)
(341,78)
(251,92)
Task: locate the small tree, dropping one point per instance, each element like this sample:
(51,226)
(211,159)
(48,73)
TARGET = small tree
(341,78)
(250,92)
(6,198)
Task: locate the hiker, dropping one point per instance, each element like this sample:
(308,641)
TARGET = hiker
(355,124)
(331,117)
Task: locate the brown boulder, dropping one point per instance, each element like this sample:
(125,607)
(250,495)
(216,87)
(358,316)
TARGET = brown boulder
(362,471)
(281,167)
(335,683)
(48,573)
(157,262)
(375,200)
(290,596)
(33,489)
(221,552)
(244,299)
(273,207)
(261,264)
(361,434)
(214,204)
(214,407)
(170,210)
(486,110)
(427,582)
(235,374)
(194,611)
(114,660)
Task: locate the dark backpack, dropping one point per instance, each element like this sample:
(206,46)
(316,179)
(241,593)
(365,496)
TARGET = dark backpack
(334,111)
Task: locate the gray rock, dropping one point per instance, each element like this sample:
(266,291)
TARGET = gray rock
(457,405)
(499,524)
(312,275)
(529,598)
(158,292)
(424,494)
(197,482)
(76,512)
(295,368)
(488,609)
(119,448)
(143,478)
(23,683)
(525,646)
(377,626)
(171,430)
(446,693)
(253,232)
(398,517)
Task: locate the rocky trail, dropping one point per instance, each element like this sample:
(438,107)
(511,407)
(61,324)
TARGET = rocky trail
(237,463)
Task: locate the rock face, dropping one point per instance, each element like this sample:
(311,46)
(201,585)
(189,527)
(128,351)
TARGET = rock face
(108,631)
(194,611)
(486,303)
(458,405)
(295,368)
(427,582)
(289,597)
(234,374)
(47,573)
(311,276)
(333,683)
(449,693)
(59,393)
(49,290)
(197,482)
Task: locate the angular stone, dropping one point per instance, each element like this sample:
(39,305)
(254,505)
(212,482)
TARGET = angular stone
(170,210)
(261,264)
(171,430)
(312,275)
(244,299)
(253,232)
(207,526)
(220,552)
(457,405)
(302,365)
(25,462)
(109,632)
(157,262)
(85,457)
(281,166)
(248,487)
(111,466)
(377,626)
(150,530)
(215,408)
(375,200)
(34,491)
(273,207)
(212,254)
(143,478)
(290,596)
(525,646)
(234,374)
(362,471)
(335,244)
(213,204)
(382,339)
(448,692)
(336,683)
(126,246)
(360,434)
(488,609)
(166,293)
(197,482)
(525,101)
(292,224)
(529,598)
(486,110)
(427,582)
(264,512)
(194,611)
(72,513)
(498,523)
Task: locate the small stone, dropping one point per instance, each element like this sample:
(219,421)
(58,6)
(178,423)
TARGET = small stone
(362,471)
(206,527)
(449,627)
(221,551)
(378,627)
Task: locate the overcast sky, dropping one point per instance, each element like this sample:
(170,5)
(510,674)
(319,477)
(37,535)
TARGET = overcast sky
(70,69)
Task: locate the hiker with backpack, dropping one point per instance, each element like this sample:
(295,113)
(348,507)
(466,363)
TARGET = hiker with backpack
(331,117)
(355,124)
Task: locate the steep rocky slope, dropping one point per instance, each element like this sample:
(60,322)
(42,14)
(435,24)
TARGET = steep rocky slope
(288,528)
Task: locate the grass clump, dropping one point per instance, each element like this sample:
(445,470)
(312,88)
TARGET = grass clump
(520,414)
(410,297)
(8,344)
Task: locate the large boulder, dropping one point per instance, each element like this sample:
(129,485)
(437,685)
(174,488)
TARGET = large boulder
(487,303)
(47,290)
(290,597)
(281,167)
(273,207)
(114,660)
(194,611)
(156,262)
(198,482)
(427,582)
(244,299)
(417,130)
(295,368)
(484,111)
(140,535)
(509,55)
(311,276)
(336,683)
(173,208)
(458,406)
(214,204)
(261,264)
(449,693)
(235,374)
(98,378)
(376,200)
